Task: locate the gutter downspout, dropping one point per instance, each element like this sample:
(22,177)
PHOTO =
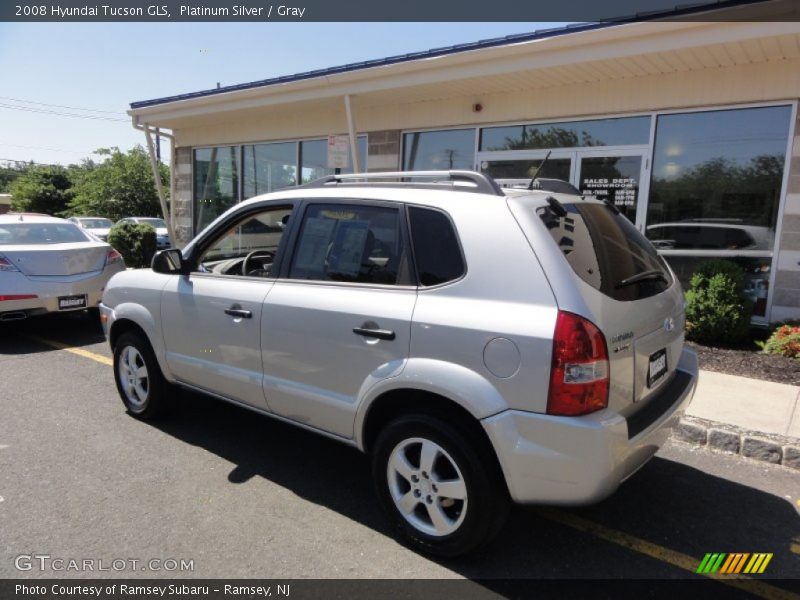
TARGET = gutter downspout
(148,133)
(351,130)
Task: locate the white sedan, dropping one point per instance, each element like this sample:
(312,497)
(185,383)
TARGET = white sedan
(98,226)
(51,265)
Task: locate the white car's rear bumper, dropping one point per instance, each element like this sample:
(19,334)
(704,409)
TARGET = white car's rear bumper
(581,460)
(48,289)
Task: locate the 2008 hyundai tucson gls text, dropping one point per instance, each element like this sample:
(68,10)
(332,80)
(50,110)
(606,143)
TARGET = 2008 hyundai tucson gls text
(482,345)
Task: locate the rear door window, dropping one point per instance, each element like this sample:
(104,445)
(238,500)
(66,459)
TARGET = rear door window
(436,249)
(350,243)
(606,251)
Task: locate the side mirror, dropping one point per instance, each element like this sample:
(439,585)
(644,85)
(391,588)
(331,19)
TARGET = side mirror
(169,262)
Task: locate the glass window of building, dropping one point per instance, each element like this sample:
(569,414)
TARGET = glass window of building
(571,134)
(314,159)
(715,189)
(439,150)
(216,182)
(268,167)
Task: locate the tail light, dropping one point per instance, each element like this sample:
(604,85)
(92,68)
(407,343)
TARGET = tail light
(17,297)
(112,256)
(6,264)
(579,372)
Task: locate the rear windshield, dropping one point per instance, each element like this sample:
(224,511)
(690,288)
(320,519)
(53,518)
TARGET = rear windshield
(29,234)
(606,250)
(96,223)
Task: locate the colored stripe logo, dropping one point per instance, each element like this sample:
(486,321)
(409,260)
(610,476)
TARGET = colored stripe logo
(733,563)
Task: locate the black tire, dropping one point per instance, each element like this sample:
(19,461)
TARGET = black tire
(487,502)
(156,387)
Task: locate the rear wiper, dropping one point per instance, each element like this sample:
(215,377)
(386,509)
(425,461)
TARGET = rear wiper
(643,276)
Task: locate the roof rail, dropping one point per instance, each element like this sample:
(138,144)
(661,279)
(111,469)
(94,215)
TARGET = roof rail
(456,180)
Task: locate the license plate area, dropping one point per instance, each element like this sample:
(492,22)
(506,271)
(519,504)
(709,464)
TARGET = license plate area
(71,302)
(656,367)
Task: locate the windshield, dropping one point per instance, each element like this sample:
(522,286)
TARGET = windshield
(96,223)
(30,234)
(157,223)
(605,250)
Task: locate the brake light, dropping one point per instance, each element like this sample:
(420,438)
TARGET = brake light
(6,264)
(112,256)
(579,371)
(18,297)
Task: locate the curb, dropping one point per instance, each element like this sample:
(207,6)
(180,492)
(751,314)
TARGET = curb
(775,449)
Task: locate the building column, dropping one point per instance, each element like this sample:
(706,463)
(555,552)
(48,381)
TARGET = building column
(383,150)
(182,202)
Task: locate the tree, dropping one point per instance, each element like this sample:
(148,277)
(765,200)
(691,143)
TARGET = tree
(121,186)
(10,172)
(43,189)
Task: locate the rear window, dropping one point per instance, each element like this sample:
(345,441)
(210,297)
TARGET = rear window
(606,251)
(29,234)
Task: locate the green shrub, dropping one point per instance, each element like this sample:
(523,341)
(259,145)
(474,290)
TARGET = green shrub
(717,310)
(135,241)
(785,340)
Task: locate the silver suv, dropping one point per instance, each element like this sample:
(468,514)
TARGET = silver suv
(482,345)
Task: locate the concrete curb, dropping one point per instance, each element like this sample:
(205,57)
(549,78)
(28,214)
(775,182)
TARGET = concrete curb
(775,449)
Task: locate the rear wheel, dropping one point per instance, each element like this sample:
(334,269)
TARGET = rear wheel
(443,494)
(139,380)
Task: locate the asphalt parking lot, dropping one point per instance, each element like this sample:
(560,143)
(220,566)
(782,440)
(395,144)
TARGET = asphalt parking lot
(245,496)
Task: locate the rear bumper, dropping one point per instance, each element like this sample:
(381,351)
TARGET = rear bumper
(581,460)
(49,289)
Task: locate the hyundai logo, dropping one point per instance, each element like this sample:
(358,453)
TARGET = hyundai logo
(669,324)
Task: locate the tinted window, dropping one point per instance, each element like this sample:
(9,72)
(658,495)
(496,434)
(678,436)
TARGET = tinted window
(349,243)
(436,249)
(723,167)
(434,150)
(606,250)
(216,182)
(598,132)
(23,234)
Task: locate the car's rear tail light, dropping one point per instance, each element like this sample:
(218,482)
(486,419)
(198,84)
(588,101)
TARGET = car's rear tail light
(579,372)
(112,256)
(18,297)
(6,264)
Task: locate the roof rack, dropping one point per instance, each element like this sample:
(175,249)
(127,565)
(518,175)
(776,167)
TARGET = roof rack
(460,181)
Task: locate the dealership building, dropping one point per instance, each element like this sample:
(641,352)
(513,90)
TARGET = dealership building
(690,128)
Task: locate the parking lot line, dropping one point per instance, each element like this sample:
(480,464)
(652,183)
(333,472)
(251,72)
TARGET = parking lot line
(676,559)
(79,351)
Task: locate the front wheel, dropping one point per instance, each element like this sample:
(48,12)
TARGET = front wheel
(444,495)
(139,380)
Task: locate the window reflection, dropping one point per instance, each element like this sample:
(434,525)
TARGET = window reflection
(314,159)
(269,167)
(439,150)
(216,182)
(717,179)
(598,132)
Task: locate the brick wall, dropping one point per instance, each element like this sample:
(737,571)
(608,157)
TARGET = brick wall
(786,295)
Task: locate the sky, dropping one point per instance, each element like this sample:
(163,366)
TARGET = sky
(105,66)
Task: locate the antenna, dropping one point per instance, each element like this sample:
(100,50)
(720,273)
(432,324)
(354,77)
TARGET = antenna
(536,174)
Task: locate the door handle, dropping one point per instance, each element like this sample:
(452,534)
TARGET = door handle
(238,313)
(381,334)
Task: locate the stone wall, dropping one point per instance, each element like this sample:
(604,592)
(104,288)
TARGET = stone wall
(786,295)
(182,202)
